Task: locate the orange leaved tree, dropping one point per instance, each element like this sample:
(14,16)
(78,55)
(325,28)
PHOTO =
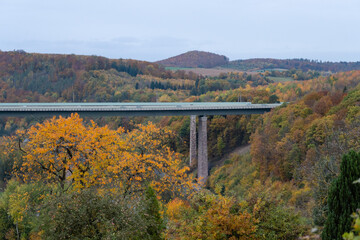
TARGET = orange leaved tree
(149,160)
(70,153)
(210,216)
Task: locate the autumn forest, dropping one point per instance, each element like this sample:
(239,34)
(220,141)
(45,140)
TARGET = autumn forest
(291,173)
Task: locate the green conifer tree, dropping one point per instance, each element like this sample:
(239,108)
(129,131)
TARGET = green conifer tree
(343,198)
(155,221)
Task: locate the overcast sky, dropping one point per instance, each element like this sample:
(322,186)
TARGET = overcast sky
(156,29)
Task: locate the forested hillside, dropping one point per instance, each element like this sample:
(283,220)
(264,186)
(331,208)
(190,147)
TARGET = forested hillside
(75,78)
(296,151)
(47,77)
(301,64)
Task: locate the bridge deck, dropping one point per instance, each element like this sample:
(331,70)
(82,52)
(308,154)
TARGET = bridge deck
(134,109)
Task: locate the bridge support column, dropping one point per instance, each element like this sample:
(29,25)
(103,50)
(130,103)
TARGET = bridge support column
(192,140)
(203,166)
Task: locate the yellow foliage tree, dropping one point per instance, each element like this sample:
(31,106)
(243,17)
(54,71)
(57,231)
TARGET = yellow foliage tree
(149,159)
(210,216)
(70,153)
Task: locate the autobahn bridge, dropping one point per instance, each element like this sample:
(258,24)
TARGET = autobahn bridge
(192,109)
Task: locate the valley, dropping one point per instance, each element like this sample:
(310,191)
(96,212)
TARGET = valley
(270,175)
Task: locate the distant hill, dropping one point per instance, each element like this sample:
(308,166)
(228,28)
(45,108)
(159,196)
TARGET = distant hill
(195,59)
(200,59)
(302,64)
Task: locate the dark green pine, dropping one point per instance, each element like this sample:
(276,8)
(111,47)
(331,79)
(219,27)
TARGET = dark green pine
(155,220)
(343,198)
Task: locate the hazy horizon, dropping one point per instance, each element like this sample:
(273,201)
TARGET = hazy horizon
(177,55)
(155,30)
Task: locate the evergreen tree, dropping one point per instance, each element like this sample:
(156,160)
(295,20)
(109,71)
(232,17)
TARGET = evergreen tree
(343,198)
(152,211)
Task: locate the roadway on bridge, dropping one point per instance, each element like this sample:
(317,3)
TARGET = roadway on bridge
(134,109)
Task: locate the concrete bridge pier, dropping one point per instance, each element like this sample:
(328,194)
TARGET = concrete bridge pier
(192,140)
(203,165)
(202,153)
